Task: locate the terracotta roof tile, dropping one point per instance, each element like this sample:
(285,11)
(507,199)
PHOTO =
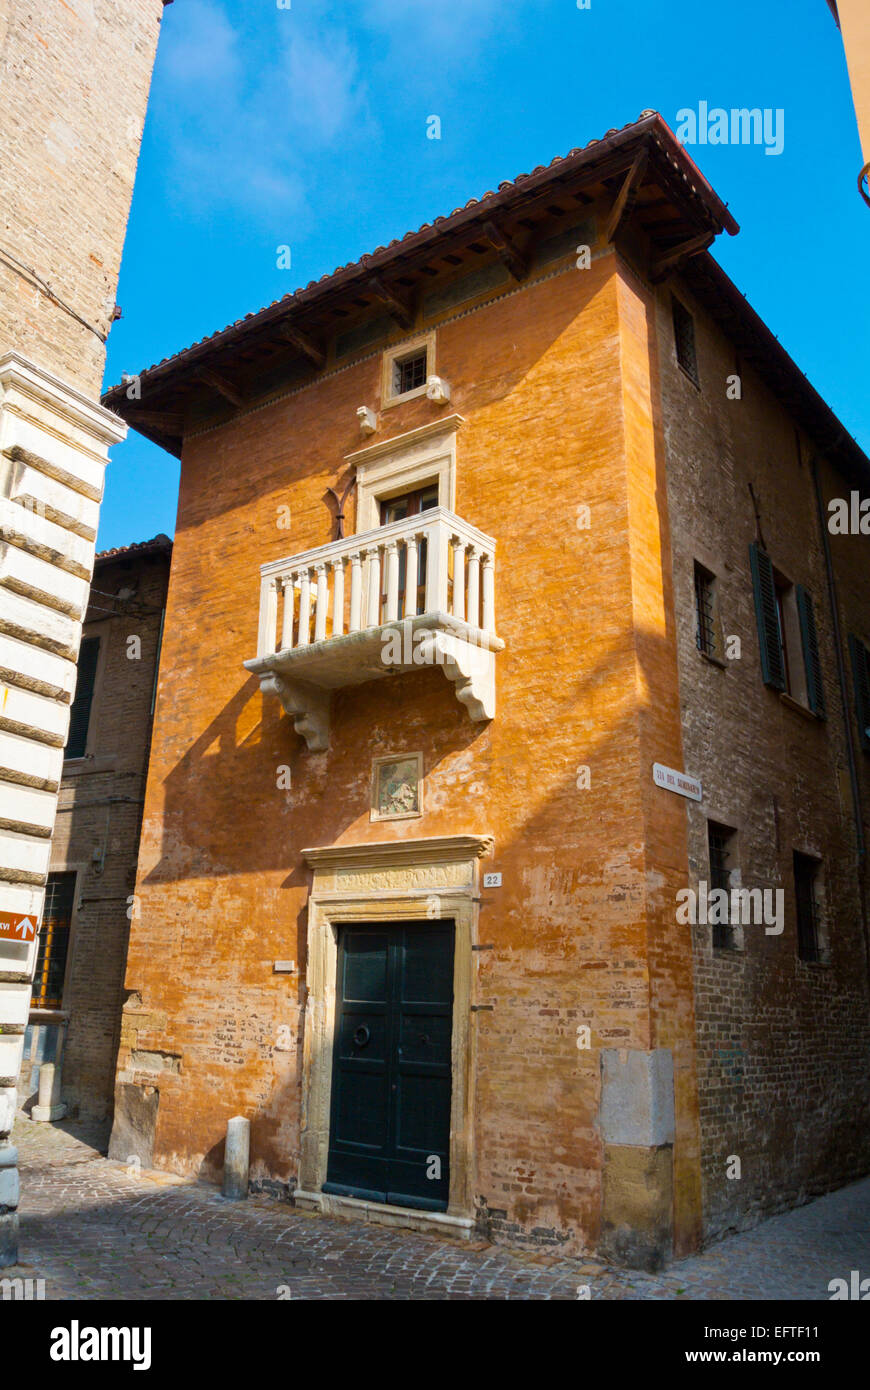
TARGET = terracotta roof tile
(158,542)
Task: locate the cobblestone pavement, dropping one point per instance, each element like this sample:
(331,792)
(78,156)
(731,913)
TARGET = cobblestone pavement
(93,1231)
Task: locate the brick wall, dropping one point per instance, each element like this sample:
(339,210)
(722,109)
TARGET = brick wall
(100,809)
(570,398)
(539,376)
(75,76)
(782,1043)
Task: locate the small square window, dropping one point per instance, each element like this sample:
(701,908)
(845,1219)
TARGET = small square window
(706,625)
(409,373)
(684,338)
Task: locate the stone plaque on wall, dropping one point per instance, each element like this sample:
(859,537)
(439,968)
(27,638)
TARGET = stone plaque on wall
(397,787)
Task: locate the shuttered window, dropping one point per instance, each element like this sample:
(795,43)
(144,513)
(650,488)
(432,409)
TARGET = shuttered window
(80,714)
(810,644)
(767,616)
(861,678)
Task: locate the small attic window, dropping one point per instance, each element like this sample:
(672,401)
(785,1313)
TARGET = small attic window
(684,339)
(407,369)
(409,373)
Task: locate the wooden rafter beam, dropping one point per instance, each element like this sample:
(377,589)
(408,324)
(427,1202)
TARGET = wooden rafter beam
(400,311)
(307,346)
(627,196)
(664,264)
(167,422)
(221,384)
(508,252)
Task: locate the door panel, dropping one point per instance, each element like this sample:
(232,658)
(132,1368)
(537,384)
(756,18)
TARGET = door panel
(391,1084)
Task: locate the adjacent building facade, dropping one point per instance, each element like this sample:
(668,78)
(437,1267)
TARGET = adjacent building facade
(519,632)
(74,82)
(75,1012)
(853,21)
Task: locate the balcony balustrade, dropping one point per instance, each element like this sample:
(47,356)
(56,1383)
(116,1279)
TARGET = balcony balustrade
(417,592)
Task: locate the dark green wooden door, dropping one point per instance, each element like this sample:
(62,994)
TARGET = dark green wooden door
(389,1132)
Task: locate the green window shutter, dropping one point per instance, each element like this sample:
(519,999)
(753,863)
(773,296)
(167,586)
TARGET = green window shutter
(80,714)
(810,644)
(769,640)
(861,674)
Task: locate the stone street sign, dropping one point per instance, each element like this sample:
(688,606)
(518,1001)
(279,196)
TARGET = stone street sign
(674,781)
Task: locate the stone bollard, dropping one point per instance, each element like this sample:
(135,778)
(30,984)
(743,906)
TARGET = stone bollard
(9,1193)
(50,1106)
(237,1156)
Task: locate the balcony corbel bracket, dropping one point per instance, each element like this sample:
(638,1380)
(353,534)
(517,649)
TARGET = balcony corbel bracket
(471,669)
(307,706)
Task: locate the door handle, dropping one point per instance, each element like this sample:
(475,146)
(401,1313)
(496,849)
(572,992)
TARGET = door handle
(362,1035)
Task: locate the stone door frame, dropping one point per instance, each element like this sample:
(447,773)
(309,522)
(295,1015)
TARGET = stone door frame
(398,881)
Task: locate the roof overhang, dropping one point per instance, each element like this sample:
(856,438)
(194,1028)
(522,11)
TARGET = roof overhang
(653,190)
(678,208)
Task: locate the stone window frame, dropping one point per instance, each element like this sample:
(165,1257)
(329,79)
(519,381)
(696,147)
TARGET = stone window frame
(685,353)
(410,348)
(412,460)
(822,914)
(398,881)
(736,943)
(710,582)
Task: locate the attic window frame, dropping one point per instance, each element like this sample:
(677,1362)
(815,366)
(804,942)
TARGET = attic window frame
(685,340)
(395,358)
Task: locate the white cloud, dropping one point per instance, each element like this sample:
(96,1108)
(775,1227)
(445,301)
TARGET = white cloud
(322,85)
(200,49)
(443,23)
(244,106)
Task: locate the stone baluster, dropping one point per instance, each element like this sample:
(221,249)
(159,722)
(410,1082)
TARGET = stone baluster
(373,606)
(304,607)
(488,594)
(458,577)
(392,612)
(473,614)
(436,568)
(289,590)
(411,570)
(355,591)
(268,627)
(337,597)
(322,603)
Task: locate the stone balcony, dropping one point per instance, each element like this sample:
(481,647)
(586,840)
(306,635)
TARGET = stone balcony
(417,592)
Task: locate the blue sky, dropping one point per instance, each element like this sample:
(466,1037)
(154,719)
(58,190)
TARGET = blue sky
(306,127)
